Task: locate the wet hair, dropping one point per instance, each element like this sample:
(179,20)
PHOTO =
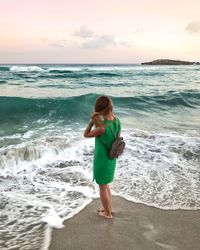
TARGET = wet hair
(98,122)
(103,105)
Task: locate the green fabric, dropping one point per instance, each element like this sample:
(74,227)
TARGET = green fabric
(103,166)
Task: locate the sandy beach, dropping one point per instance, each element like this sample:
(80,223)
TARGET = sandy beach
(134,226)
(57,58)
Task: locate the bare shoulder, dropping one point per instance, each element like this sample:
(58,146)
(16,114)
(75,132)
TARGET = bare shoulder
(95,132)
(100,130)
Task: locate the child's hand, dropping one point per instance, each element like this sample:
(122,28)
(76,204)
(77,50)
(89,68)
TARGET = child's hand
(94,114)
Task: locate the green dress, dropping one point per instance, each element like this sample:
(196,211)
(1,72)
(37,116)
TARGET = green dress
(103,166)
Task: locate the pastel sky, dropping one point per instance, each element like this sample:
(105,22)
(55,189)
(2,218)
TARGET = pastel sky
(98,31)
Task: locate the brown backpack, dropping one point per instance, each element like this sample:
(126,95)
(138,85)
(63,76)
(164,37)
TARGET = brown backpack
(117,147)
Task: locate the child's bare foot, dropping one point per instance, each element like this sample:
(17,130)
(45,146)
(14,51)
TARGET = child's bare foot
(104,214)
(101,209)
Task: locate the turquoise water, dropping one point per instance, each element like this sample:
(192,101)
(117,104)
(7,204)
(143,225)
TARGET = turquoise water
(46,164)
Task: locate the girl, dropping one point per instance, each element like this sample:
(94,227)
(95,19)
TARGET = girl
(106,123)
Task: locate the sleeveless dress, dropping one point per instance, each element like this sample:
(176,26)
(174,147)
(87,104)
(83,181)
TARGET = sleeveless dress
(103,166)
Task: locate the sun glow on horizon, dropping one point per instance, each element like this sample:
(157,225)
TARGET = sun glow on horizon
(98,31)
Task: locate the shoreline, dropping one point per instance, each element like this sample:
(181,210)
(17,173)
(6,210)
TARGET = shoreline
(134,226)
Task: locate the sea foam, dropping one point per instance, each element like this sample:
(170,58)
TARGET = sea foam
(26,69)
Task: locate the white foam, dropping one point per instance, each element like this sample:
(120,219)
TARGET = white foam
(48,231)
(28,134)
(53,219)
(14,136)
(26,69)
(111,68)
(53,193)
(159,169)
(56,181)
(148,159)
(65,68)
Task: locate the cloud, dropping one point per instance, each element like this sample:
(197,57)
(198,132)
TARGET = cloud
(56,45)
(43,39)
(100,41)
(86,38)
(193,27)
(125,44)
(93,40)
(84,32)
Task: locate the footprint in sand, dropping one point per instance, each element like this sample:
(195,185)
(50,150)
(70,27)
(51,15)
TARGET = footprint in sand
(151,234)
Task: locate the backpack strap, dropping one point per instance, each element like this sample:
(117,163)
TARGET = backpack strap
(115,135)
(104,144)
(118,129)
(112,132)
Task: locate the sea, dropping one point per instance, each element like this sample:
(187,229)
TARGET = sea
(46,163)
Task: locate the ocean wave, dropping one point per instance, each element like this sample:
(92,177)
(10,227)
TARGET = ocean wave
(151,163)
(159,169)
(56,73)
(190,98)
(81,74)
(31,191)
(151,73)
(64,69)
(31,109)
(26,69)
(93,74)
(78,107)
(2,81)
(43,180)
(34,150)
(107,74)
(4,68)
(60,71)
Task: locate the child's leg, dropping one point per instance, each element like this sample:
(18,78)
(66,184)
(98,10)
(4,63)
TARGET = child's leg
(110,195)
(102,209)
(105,200)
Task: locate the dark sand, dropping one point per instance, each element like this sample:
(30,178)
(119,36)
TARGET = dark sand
(134,226)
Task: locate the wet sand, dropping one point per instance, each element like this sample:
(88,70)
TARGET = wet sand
(134,226)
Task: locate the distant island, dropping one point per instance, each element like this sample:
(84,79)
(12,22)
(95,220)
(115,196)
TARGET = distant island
(169,62)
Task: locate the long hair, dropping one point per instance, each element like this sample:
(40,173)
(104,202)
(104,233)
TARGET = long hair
(103,106)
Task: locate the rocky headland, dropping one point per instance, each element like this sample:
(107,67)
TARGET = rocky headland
(169,62)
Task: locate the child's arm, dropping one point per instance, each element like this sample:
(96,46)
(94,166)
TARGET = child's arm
(95,132)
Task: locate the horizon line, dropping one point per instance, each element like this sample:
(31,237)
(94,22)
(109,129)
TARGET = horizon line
(71,63)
